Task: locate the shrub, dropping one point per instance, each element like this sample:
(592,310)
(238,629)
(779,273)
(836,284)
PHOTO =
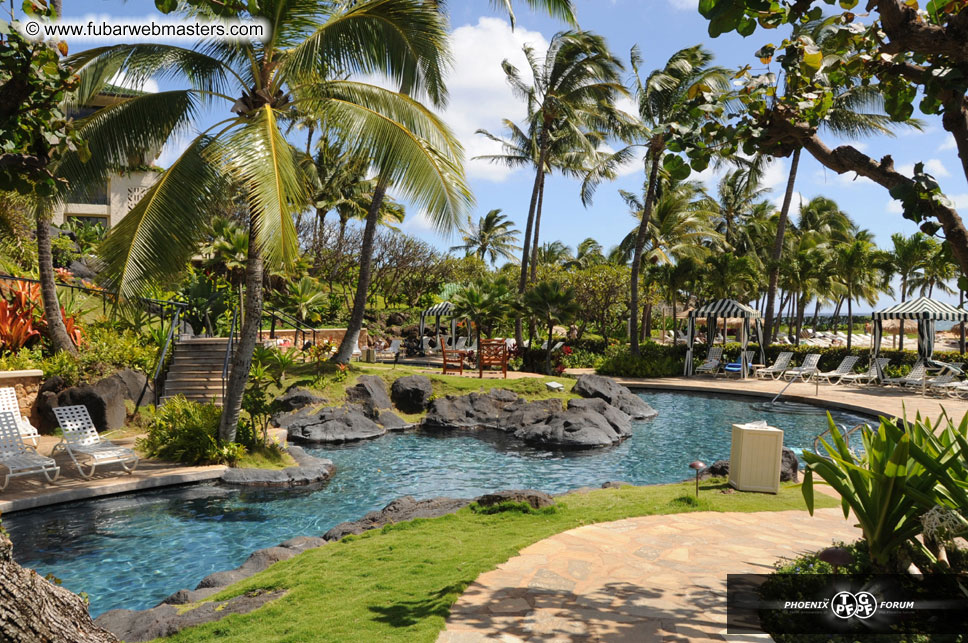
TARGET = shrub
(654,360)
(187,432)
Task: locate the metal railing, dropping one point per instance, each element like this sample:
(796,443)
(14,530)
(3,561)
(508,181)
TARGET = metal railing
(847,434)
(285,318)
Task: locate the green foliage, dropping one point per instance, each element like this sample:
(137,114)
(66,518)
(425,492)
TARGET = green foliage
(187,432)
(209,297)
(887,490)
(654,360)
(63,251)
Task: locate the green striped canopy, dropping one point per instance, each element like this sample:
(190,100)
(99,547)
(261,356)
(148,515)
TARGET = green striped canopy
(922,308)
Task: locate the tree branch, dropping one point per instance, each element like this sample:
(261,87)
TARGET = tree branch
(907,32)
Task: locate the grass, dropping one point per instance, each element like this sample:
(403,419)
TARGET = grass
(264,458)
(531,388)
(398,583)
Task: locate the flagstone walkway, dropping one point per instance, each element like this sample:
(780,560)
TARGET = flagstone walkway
(654,578)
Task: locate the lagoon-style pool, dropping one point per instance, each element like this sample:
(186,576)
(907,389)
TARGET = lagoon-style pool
(132,551)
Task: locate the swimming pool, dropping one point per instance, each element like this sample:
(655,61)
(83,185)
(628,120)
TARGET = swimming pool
(132,551)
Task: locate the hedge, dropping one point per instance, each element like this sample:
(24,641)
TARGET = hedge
(663,360)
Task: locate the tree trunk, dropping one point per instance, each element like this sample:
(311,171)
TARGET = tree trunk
(537,228)
(526,246)
(34,609)
(816,316)
(777,252)
(961,339)
(56,329)
(647,322)
(675,330)
(242,359)
(551,330)
(850,320)
(355,325)
(901,325)
(640,237)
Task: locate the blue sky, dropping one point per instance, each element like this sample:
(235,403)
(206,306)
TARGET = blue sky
(480,98)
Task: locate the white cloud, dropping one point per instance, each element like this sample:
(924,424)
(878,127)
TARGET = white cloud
(949,144)
(418,223)
(795,203)
(685,5)
(776,174)
(934,167)
(960,200)
(480,96)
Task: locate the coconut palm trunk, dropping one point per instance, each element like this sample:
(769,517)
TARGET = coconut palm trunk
(777,251)
(901,330)
(850,319)
(640,237)
(352,337)
(529,227)
(56,329)
(242,358)
(537,229)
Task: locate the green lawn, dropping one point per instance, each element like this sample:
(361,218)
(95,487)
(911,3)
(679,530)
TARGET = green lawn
(398,583)
(532,388)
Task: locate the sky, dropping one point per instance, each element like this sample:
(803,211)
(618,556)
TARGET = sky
(480,98)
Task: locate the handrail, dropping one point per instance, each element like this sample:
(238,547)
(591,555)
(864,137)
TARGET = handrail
(816,440)
(228,351)
(297,325)
(176,318)
(99,291)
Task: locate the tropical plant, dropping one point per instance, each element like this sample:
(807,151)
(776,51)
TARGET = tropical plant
(305,299)
(493,237)
(663,99)
(261,85)
(862,270)
(487,303)
(553,303)
(939,269)
(186,431)
(570,110)
(886,490)
(588,253)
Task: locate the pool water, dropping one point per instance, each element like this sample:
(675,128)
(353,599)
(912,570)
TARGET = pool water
(132,551)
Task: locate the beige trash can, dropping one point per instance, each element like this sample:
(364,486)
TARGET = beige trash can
(754,457)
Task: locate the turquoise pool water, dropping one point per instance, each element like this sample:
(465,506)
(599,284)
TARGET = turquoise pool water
(132,551)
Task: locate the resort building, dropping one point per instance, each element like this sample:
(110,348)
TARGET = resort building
(108,204)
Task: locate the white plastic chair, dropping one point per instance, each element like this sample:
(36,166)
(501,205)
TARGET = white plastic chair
(806,370)
(461,343)
(81,441)
(18,458)
(392,350)
(776,369)
(713,360)
(870,376)
(836,375)
(8,402)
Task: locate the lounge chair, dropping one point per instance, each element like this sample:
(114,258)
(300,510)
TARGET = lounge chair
(737,366)
(8,402)
(461,343)
(82,442)
(557,346)
(913,378)
(868,377)
(846,366)
(425,346)
(390,351)
(806,370)
(713,361)
(775,370)
(16,457)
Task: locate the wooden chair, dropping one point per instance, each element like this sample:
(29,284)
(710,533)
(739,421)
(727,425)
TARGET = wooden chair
(453,360)
(493,352)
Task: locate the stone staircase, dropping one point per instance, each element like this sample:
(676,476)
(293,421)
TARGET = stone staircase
(196,370)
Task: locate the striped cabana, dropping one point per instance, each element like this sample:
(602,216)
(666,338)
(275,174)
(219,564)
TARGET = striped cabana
(437,311)
(925,312)
(730,309)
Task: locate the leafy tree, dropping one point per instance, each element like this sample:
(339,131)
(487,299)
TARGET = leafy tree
(907,53)
(588,253)
(493,236)
(404,39)
(487,303)
(863,271)
(554,304)
(599,292)
(937,271)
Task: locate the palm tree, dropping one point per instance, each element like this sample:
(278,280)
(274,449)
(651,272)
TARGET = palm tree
(554,304)
(493,236)
(261,84)
(570,106)
(729,276)
(737,195)
(908,258)
(561,9)
(863,270)
(588,253)
(487,304)
(937,271)
(663,99)
(856,112)
(554,253)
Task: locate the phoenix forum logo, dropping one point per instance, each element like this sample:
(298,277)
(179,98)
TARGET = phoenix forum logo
(846,605)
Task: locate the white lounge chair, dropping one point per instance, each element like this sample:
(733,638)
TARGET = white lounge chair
(775,370)
(845,367)
(868,377)
(8,402)
(390,351)
(426,347)
(913,378)
(806,370)
(461,343)
(557,346)
(713,360)
(16,457)
(82,442)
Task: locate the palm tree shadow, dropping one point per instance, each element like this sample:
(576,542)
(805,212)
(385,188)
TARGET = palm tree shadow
(409,613)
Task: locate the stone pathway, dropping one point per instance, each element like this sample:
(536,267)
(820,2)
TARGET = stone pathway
(654,578)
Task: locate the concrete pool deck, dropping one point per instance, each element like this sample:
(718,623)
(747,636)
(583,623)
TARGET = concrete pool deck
(653,578)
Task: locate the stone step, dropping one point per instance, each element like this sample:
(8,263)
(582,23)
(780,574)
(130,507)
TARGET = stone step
(217,399)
